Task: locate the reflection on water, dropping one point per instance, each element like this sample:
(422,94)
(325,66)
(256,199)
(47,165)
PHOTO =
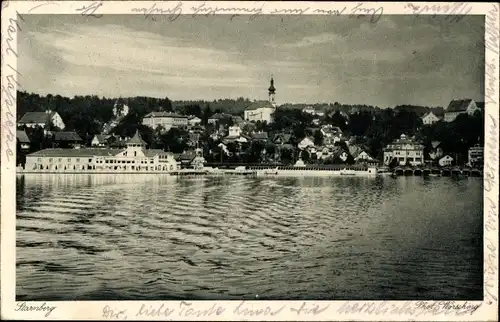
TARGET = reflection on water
(95,237)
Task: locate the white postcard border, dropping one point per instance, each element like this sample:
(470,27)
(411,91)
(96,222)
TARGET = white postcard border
(249,310)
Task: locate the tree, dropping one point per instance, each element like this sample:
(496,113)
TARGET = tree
(318,138)
(305,156)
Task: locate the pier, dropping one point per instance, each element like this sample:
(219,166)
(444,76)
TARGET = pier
(434,171)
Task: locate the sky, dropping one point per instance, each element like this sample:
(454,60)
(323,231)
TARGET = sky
(314,59)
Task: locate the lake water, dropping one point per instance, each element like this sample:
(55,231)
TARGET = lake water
(145,237)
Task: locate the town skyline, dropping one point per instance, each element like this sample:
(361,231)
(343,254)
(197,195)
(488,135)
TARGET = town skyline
(399,60)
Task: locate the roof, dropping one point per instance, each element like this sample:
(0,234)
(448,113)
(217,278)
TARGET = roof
(188,155)
(164,114)
(192,117)
(101,137)
(220,116)
(155,152)
(76,152)
(283,137)
(66,136)
(260,136)
(136,139)
(238,119)
(458,105)
(259,104)
(22,137)
(438,116)
(36,117)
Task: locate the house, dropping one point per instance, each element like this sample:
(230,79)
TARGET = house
(42,119)
(101,140)
(219,118)
(331,134)
(359,154)
(430,118)
(238,120)
(135,157)
(259,136)
(234,131)
(458,107)
(476,156)
(262,110)
(312,111)
(445,161)
(282,138)
(435,151)
(67,139)
(165,119)
(23,140)
(194,120)
(404,150)
(306,142)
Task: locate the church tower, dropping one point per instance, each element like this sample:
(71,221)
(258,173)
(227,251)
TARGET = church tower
(272,91)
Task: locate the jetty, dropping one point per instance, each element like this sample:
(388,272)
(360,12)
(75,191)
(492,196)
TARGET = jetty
(435,171)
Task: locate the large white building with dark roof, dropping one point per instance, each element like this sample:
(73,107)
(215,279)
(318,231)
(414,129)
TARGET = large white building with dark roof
(404,150)
(262,110)
(132,159)
(165,119)
(42,119)
(458,107)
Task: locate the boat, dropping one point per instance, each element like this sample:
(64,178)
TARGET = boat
(271,171)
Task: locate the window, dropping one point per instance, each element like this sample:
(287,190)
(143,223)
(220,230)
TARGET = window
(90,160)
(60,160)
(69,159)
(77,159)
(50,159)
(39,159)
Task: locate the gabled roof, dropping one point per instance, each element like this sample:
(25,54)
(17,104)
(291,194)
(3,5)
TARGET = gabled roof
(136,139)
(164,114)
(76,152)
(260,136)
(102,137)
(282,137)
(431,112)
(22,137)
(238,119)
(66,136)
(259,104)
(458,105)
(220,116)
(36,117)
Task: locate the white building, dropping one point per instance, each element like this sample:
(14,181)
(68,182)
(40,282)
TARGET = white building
(476,155)
(311,110)
(262,110)
(404,150)
(458,107)
(165,119)
(305,143)
(430,118)
(234,131)
(193,120)
(445,161)
(42,119)
(134,158)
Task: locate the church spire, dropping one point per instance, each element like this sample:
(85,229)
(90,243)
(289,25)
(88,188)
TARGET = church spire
(272,91)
